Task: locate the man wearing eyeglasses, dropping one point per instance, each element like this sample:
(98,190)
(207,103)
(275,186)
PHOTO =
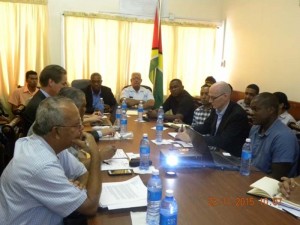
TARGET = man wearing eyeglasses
(227,126)
(35,187)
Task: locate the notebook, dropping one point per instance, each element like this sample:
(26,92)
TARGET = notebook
(201,155)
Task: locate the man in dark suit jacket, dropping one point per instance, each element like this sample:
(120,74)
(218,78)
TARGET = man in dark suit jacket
(95,91)
(227,126)
(52,79)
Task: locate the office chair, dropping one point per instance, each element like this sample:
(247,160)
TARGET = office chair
(80,83)
(145,86)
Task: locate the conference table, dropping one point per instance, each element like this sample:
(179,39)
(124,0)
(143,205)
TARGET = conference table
(204,195)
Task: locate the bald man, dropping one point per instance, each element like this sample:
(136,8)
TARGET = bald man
(227,126)
(136,93)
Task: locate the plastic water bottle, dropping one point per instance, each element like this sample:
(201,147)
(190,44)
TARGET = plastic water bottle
(144,153)
(124,105)
(161,112)
(123,126)
(246,158)
(140,111)
(154,188)
(101,106)
(159,128)
(118,118)
(168,210)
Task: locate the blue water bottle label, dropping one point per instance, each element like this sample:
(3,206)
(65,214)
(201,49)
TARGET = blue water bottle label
(124,122)
(246,155)
(154,195)
(168,220)
(141,110)
(118,116)
(159,127)
(144,150)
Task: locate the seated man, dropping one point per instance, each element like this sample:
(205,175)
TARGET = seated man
(251,91)
(95,91)
(52,79)
(227,126)
(35,187)
(180,102)
(136,93)
(22,95)
(203,111)
(275,148)
(284,106)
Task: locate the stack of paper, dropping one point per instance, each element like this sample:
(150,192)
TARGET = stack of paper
(126,194)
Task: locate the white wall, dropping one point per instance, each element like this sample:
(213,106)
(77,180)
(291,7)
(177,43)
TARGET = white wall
(208,10)
(262,45)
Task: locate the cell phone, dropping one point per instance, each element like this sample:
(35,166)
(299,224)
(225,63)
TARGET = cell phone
(120,172)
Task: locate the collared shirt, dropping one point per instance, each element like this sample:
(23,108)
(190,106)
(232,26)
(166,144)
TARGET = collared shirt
(143,94)
(35,187)
(96,99)
(220,115)
(21,96)
(45,93)
(277,145)
(246,107)
(286,118)
(200,115)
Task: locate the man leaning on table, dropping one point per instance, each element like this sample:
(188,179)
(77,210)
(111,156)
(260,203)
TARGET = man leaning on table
(43,182)
(227,125)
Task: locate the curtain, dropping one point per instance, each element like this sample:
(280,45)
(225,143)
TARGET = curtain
(115,47)
(23,42)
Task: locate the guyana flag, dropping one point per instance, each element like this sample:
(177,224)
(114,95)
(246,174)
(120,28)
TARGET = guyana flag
(156,63)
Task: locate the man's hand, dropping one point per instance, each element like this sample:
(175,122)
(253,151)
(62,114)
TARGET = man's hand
(77,183)
(108,152)
(290,189)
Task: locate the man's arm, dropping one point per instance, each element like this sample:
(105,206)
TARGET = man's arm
(149,104)
(94,180)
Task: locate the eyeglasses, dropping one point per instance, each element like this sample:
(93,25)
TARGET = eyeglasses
(78,126)
(214,98)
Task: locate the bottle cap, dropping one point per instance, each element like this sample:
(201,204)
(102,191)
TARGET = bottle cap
(155,172)
(169,193)
(248,140)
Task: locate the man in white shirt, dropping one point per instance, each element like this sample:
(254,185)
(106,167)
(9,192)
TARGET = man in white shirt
(251,91)
(35,187)
(136,93)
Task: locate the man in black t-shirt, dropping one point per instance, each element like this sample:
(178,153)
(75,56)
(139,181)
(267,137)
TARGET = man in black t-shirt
(180,102)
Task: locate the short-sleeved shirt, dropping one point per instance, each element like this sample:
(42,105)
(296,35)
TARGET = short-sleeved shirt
(277,145)
(183,104)
(143,94)
(200,115)
(35,187)
(21,96)
(286,118)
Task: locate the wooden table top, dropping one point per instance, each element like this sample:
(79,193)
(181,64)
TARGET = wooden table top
(204,196)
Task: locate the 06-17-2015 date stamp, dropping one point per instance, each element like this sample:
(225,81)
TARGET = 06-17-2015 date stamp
(214,201)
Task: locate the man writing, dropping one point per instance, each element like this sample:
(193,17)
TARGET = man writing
(35,186)
(136,93)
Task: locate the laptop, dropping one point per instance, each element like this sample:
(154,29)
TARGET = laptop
(201,155)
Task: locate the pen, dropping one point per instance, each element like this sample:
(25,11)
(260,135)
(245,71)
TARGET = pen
(105,162)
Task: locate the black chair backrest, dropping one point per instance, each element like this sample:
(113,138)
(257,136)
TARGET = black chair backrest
(80,83)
